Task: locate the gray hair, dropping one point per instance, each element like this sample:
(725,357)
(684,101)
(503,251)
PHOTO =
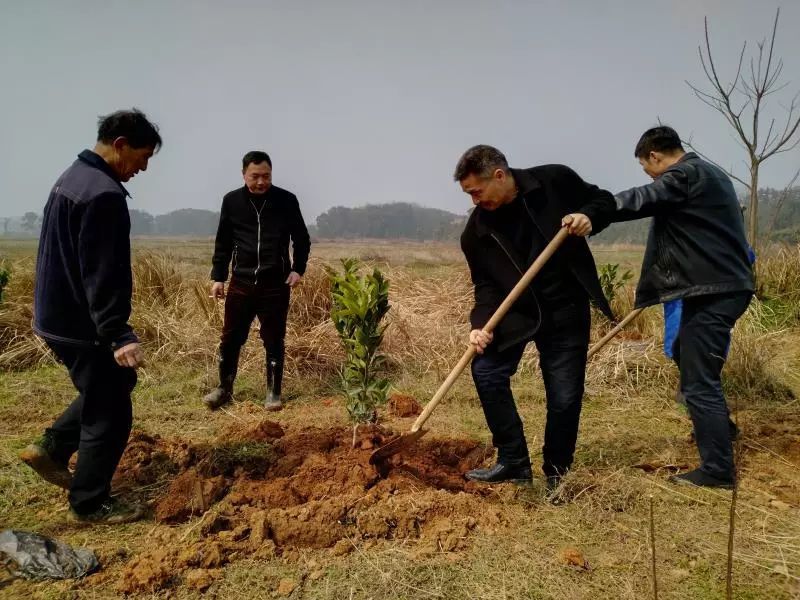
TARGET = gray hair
(481,160)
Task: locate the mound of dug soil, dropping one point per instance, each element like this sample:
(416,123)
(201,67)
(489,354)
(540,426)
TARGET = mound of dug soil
(264,491)
(401,405)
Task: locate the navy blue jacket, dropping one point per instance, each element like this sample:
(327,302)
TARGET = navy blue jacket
(83,287)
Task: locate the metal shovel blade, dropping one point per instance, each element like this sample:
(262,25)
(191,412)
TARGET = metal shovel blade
(396,445)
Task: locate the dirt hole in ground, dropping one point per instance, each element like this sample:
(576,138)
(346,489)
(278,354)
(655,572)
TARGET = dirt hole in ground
(264,491)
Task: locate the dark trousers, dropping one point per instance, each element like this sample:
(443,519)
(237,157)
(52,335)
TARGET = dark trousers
(562,341)
(700,351)
(97,423)
(269,301)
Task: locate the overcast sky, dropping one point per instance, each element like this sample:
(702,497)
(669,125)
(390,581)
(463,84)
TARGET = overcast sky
(364,102)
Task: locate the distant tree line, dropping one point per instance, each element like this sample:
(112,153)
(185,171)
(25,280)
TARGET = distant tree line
(399,220)
(779,220)
(185,221)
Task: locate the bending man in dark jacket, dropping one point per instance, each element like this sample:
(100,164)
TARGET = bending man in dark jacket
(256,224)
(82,301)
(517,212)
(696,251)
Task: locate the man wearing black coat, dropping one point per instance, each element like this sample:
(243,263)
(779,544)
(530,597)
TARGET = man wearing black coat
(82,302)
(517,212)
(696,251)
(256,225)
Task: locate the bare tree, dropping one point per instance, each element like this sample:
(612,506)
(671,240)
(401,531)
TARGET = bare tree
(742,104)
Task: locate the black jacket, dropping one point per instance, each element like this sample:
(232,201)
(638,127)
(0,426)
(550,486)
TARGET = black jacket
(254,234)
(697,243)
(549,193)
(82,293)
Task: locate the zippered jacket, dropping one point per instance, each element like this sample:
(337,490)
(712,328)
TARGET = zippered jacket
(254,234)
(697,243)
(549,193)
(82,292)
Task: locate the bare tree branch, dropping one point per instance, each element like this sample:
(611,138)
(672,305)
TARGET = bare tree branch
(749,93)
(784,140)
(688,143)
(772,43)
(769,136)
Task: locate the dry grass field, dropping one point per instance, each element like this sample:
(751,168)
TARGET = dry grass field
(249,504)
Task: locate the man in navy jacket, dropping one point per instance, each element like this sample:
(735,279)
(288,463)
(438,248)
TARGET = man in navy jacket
(82,302)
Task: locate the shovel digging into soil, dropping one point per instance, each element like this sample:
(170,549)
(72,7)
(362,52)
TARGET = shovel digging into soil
(408,439)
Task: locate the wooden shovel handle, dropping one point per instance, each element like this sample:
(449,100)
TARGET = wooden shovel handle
(498,315)
(611,334)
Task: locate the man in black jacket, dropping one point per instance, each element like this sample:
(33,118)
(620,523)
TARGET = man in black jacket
(82,301)
(696,251)
(517,212)
(256,225)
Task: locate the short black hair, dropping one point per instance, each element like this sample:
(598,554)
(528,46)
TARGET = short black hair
(658,139)
(255,157)
(481,160)
(132,125)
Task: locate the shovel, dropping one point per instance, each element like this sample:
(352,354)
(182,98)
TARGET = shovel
(408,439)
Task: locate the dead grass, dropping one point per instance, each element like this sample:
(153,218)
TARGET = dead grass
(629,419)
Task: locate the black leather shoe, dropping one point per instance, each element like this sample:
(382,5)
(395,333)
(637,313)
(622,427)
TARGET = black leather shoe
(501,472)
(699,478)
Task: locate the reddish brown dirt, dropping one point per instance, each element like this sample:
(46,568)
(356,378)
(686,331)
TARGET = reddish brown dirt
(401,405)
(268,491)
(772,457)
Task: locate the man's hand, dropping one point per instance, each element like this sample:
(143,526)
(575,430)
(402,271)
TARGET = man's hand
(293,279)
(480,339)
(129,355)
(577,224)
(218,290)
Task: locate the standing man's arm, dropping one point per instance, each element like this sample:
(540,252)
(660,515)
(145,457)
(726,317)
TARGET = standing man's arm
(301,246)
(104,253)
(667,190)
(223,250)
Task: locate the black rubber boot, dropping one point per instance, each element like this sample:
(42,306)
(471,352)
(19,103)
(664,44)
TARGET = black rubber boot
(228,365)
(274,380)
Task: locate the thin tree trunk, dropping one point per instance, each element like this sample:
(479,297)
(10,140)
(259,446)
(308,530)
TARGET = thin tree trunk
(753,229)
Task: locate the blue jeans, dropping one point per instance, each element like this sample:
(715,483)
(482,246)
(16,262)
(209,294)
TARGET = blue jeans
(562,341)
(700,351)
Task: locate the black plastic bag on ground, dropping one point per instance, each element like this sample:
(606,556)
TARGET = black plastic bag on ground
(38,557)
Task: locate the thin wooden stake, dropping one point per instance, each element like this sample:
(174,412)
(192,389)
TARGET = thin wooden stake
(653,548)
(737,456)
